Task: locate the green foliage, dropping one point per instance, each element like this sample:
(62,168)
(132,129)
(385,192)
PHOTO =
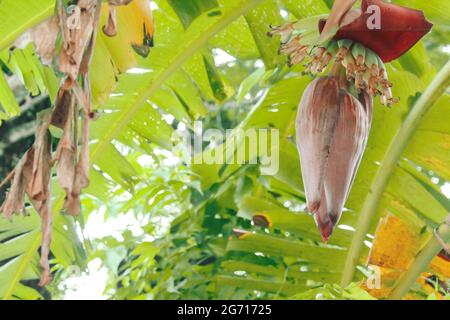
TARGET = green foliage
(186,247)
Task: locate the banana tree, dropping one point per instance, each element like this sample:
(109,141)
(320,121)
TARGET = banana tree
(234,230)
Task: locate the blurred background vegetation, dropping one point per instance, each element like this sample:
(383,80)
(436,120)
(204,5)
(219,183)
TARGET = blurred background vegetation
(154,227)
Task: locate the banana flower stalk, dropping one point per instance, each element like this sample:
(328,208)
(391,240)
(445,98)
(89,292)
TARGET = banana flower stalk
(335,113)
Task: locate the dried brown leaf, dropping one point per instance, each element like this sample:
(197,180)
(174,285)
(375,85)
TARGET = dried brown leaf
(110,29)
(88,55)
(14,202)
(65,168)
(78,26)
(42,164)
(32,176)
(46,226)
(61,112)
(81,175)
(44,38)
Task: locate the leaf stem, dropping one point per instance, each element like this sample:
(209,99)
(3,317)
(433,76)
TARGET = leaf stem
(422,260)
(434,91)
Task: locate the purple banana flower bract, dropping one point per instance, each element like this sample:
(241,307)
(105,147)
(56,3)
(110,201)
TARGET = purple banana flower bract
(332,131)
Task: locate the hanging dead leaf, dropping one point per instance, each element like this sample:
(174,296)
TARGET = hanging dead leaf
(45,212)
(44,38)
(65,155)
(39,189)
(73,173)
(110,29)
(78,26)
(32,175)
(61,112)
(83,163)
(14,202)
(81,174)
(42,165)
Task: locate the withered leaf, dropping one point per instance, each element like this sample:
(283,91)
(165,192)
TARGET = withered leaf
(61,112)
(39,189)
(32,176)
(46,227)
(42,164)
(78,28)
(66,154)
(14,202)
(44,38)
(83,163)
(81,175)
(66,158)
(89,52)
(110,29)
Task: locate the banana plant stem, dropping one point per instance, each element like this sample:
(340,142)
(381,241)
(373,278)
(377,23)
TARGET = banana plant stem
(434,91)
(421,262)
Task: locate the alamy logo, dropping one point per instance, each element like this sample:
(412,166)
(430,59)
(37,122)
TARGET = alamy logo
(236,146)
(374,280)
(374,20)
